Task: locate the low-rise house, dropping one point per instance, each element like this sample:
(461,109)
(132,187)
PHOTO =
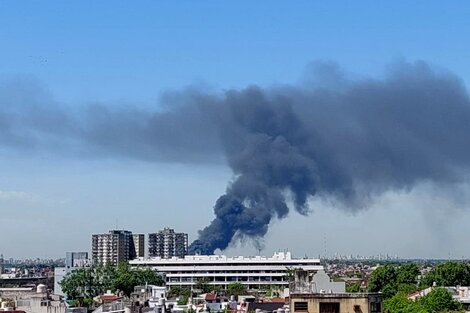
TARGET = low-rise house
(321,295)
(34,299)
(335,303)
(110,303)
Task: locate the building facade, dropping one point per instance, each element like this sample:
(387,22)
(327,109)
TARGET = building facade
(335,303)
(73,261)
(32,300)
(76,259)
(139,245)
(112,248)
(220,270)
(318,294)
(167,244)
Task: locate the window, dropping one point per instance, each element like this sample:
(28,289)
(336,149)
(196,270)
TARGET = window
(329,307)
(375,307)
(23,303)
(300,307)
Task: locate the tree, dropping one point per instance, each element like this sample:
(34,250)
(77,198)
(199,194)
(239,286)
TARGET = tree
(400,304)
(236,288)
(390,279)
(408,274)
(177,291)
(356,287)
(174,291)
(87,283)
(183,300)
(203,285)
(126,278)
(407,288)
(439,300)
(384,279)
(450,273)
(83,283)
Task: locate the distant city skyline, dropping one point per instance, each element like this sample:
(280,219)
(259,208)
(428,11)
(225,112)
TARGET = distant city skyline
(53,197)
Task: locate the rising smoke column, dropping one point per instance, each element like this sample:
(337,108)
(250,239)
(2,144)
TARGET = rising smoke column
(265,148)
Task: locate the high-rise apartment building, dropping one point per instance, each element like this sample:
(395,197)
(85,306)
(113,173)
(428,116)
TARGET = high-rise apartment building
(139,244)
(166,244)
(115,247)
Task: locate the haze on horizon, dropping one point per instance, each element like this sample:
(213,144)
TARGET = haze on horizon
(115,62)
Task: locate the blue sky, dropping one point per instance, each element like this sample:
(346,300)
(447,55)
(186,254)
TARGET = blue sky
(110,50)
(84,52)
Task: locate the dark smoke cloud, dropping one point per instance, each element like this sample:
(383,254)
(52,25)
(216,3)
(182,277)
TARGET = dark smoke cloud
(345,140)
(342,139)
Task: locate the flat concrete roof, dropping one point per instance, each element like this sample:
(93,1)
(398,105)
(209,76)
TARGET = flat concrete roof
(336,295)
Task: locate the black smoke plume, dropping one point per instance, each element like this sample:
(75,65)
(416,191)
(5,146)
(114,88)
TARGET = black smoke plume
(342,139)
(346,141)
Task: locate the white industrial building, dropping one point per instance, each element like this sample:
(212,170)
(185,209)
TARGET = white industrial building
(254,272)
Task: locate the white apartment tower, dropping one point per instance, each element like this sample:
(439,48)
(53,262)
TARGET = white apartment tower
(167,244)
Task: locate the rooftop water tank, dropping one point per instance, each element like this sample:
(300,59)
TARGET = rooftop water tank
(41,288)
